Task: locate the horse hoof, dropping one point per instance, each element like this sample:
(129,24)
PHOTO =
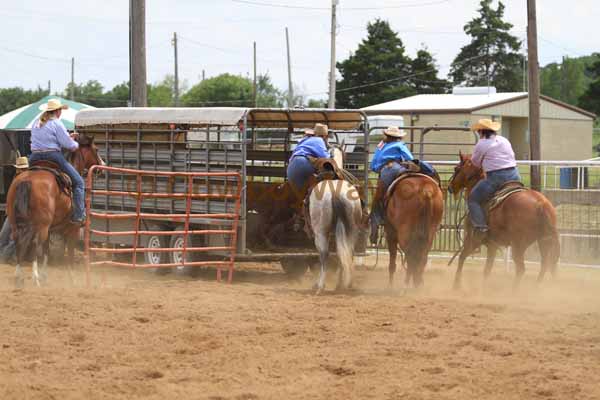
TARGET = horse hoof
(19,283)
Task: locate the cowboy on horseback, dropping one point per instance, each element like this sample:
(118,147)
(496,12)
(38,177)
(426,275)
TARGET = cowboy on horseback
(313,145)
(495,155)
(48,138)
(391,151)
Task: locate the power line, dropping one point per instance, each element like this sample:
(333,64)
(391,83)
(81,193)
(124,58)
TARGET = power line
(275,5)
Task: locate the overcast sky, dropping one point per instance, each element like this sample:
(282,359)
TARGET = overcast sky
(38,38)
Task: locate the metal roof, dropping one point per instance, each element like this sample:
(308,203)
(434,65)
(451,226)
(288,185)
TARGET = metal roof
(224,116)
(438,102)
(432,103)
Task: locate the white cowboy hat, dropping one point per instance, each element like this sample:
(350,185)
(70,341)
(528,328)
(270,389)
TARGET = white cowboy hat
(53,104)
(394,131)
(486,124)
(21,163)
(321,130)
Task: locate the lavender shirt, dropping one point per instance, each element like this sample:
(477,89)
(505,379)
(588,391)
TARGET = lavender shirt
(493,154)
(52,136)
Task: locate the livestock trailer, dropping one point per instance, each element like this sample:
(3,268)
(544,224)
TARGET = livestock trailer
(254,142)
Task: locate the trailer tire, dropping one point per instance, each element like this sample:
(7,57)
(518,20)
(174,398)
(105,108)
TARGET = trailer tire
(157,241)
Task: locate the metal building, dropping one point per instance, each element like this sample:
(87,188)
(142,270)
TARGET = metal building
(566,131)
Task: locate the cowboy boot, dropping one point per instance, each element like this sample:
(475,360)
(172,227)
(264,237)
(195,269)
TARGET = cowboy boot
(376,212)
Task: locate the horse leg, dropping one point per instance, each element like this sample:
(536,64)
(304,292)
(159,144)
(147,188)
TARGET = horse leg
(392,244)
(44,268)
(489,261)
(467,250)
(549,257)
(39,250)
(519,259)
(322,245)
(70,242)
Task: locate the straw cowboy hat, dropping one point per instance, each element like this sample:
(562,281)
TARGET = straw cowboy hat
(321,130)
(394,131)
(53,104)
(309,132)
(21,163)
(486,124)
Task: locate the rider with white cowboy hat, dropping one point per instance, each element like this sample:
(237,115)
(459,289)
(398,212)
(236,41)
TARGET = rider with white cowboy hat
(48,138)
(495,155)
(314,144)
(386,161)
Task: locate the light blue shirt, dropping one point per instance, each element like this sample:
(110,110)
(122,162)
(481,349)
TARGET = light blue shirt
(311,146)
(392,151)
(52,136)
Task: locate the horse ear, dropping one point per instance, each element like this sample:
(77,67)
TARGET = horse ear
(461,156)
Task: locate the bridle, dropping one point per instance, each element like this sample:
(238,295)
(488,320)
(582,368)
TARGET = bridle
(468,178)
(77,157)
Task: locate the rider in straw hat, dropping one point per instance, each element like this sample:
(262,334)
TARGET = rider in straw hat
(495,155)
(390,151)
(314,144)
(48,137)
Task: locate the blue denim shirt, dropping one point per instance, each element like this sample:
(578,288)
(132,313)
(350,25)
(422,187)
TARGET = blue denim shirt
(311,146)
(392,151)
(52,136)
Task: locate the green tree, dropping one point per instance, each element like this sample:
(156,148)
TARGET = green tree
(567,81)
(118,96)
(425,74)
(317,103)
(89,93)
(228,90)
(493,54)
(15,97)
(590,100)
(379,58)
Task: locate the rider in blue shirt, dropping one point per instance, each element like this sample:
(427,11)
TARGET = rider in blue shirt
(390,151)
(314,144)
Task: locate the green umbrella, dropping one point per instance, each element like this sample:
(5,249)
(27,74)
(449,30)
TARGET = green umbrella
(24,117)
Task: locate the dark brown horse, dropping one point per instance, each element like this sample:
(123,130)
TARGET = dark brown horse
(520,220)
(36,205)
(413,216)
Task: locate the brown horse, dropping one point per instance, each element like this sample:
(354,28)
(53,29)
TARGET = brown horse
(36,205)
(520,220)
(413,216)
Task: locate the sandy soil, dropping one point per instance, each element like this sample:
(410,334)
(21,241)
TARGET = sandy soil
(142,336)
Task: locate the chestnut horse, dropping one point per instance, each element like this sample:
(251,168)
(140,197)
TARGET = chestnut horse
(412,217)
(520,220)
(36,205)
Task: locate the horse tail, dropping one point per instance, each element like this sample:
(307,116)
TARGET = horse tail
(418,242)
(549,240)
(24,233)
(344,231)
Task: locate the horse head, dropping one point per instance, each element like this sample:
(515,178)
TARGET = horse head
(337,153)
(86,156)
(465,176)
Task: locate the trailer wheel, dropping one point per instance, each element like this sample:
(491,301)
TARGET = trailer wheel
(176,257)
(157,241)
(295,268)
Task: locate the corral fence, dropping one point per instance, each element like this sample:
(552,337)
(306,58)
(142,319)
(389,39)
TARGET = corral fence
(573,187)
(126,205)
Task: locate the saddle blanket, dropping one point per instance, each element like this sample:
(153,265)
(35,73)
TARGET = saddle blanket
(503,193)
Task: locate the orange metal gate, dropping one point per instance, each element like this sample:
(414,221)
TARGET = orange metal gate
(227,193)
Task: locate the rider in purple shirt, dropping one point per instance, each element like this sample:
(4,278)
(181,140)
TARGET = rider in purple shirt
(495,155)
(48,137)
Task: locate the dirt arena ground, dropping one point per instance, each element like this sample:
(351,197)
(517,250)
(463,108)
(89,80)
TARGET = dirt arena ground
(143,336)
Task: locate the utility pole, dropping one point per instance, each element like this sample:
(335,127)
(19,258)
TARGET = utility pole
(137,54)
(289,63)
(72,96)
(49,88)
(534,94)
(176,76)
(254,88)
(203,75)
(331,104)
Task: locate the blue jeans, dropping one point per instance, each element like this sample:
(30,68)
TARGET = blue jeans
(387,175)
(76,179)
(298,172)
(7,245)
(484,190)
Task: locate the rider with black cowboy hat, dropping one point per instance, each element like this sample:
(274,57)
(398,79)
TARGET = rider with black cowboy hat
(495,155)
(48,138)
